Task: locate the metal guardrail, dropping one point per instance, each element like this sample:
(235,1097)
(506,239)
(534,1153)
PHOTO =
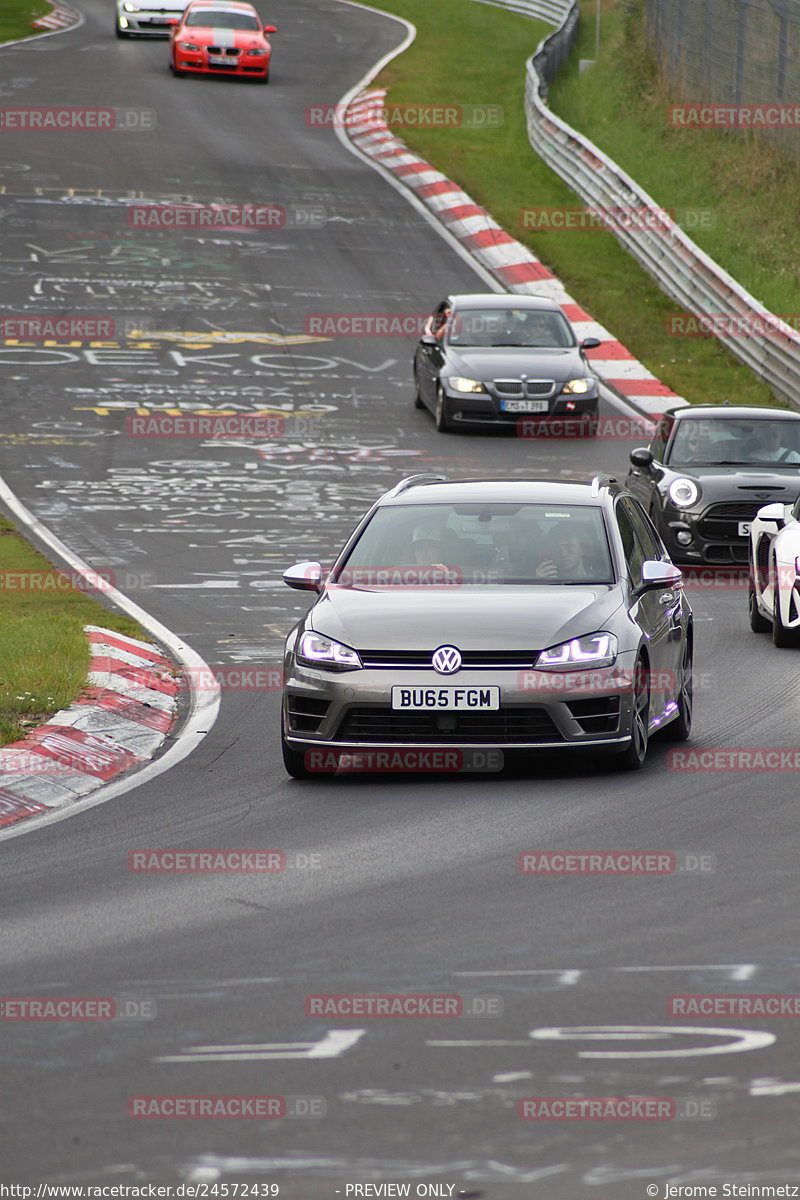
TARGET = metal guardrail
(681,268)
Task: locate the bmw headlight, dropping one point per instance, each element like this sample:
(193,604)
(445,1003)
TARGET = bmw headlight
(256,53)
(466,385)
(318,651)
(594,650)
(187,46)
(683,492)
(576,387)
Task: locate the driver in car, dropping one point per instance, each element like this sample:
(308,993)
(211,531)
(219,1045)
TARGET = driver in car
(565,557)
(769,447)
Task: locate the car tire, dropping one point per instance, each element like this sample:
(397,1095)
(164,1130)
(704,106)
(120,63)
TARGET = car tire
(782,637)
(680,729)
(293,760)
(418,401)
(758,624)
(633,756)
(440,413)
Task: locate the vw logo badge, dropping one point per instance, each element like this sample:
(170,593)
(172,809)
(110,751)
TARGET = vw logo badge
(446,660)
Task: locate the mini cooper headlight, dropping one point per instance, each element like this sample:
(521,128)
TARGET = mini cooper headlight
(576,387)
(593,650)
(683,492)
(466,385)
(318,651)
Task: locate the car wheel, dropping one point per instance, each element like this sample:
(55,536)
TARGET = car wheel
(439,413)
(633,756)
(293,760)
(679,729)
(418,401)
(758,624)
(781,636)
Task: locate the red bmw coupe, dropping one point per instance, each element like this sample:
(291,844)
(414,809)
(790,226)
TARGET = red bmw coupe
(220,37)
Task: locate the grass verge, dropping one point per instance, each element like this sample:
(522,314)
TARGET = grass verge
(44,654)
(16,17)
(469,53)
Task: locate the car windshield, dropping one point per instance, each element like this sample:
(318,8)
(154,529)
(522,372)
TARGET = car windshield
(729,442)
(479,545)
(208,18)
(509,327)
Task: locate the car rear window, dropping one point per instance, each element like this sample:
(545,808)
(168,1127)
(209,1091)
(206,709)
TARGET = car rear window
(480,544)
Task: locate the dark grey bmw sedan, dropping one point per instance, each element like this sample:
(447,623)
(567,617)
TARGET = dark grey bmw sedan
(495,615)
(492,360)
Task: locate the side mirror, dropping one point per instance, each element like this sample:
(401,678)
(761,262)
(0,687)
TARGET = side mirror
(658,574)
(772,512)
(590,343)
(270,29)
(642,457)
(304,577)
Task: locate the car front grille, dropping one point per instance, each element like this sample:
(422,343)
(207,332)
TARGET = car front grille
(720,522)
(527,388)
(471,660)
(224,51)
(507,725)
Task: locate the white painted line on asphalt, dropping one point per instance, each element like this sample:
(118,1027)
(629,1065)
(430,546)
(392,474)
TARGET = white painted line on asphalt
(739,1039)
(332,1045)
(203,704)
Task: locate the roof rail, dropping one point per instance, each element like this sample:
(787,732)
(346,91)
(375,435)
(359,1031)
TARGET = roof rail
(415,481)
(601,481)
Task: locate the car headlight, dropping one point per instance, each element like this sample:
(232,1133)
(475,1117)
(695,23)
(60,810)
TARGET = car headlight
(324,652)
(683,492)
(466,385)
(594,650)
(576,387)
(130,7)
(256,53)
(187,46)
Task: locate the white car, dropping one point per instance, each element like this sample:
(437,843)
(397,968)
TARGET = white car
(152,18)
(775,572)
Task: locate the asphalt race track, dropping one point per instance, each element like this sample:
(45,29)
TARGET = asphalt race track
(392,884)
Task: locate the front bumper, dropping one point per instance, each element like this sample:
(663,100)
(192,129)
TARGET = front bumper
(196,63)
(538,711)
(145,24)
(714,542)
(481,409)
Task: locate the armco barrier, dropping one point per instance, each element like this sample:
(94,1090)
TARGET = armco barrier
(680,267)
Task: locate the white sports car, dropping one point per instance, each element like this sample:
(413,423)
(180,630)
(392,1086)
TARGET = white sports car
(775,572)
